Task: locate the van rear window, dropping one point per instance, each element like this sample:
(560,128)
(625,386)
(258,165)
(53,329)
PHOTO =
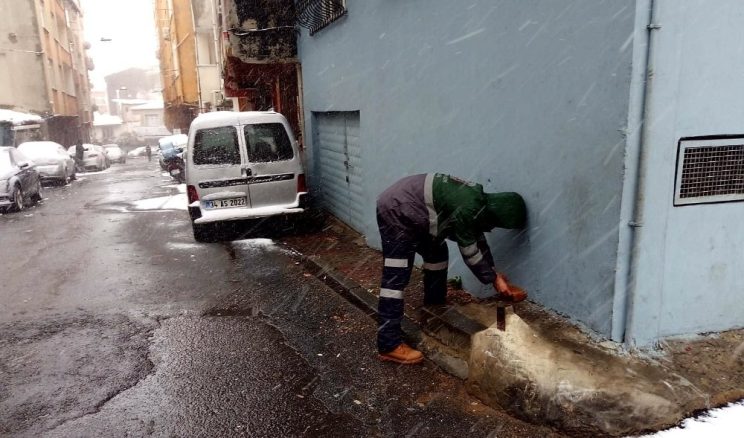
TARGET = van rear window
(267,142)
(216,146)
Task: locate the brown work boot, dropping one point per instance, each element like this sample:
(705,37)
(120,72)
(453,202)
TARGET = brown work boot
(403,354)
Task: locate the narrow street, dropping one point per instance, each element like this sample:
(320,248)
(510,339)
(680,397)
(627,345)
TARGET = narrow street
(114,322)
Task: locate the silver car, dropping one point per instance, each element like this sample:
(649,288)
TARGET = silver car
(19,180)
(93,157)
(51,159)
(114,153)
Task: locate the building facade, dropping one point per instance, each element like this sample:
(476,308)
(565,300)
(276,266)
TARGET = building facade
(261,67)
(189,59)
(551,99)
(43,63)
(132,83)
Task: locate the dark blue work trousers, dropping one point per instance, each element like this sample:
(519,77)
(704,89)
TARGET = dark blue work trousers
(399,246)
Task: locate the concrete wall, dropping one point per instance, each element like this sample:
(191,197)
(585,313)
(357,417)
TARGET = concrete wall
(690,258)
(22,79)
(530,96)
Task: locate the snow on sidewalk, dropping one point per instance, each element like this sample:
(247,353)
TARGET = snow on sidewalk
(725,422)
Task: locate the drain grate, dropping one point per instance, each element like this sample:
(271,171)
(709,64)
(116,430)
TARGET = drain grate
(710,170)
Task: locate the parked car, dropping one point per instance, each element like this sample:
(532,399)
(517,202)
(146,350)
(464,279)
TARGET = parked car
(51,159)
(114,153)
(137,152)
(102,152)
(242,165)
(93,157)
(19,180)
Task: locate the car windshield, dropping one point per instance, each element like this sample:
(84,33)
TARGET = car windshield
(267,142)
(5,164)
(216,146)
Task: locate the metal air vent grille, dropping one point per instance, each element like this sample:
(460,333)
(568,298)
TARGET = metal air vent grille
(710,170)
(317,14)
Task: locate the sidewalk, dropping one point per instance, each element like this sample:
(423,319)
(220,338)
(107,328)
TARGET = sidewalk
(541,368)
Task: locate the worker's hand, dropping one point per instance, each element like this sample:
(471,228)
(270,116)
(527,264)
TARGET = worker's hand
(501,284)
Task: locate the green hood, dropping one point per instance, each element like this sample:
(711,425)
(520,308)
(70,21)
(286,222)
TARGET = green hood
(502,210)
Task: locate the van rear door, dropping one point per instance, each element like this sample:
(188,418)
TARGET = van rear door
(273,164)
(218,168)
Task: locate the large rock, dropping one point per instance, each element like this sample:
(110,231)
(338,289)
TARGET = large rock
(557,375)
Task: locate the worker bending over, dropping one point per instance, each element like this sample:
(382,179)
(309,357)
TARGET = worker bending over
(416,215)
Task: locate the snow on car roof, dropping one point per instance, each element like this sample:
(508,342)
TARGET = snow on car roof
(221,118)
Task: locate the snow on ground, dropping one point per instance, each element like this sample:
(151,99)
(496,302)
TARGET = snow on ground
(175,202)
(94,173)
(726,422)
(183,245)
(254,244)
(180,187)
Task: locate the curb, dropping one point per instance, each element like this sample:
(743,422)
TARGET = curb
(431,319)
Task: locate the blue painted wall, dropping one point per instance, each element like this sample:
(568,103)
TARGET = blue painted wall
(530,96)
(689,278)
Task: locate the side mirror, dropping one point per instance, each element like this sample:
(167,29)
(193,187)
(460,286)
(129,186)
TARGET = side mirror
(24,164)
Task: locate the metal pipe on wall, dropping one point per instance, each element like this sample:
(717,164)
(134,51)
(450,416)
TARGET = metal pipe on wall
(628,290)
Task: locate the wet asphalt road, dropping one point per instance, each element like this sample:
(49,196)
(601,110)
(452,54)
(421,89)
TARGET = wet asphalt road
(114,322)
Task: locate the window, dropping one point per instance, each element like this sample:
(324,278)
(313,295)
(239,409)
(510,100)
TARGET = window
(317,14)
(152,120)
(267,142)
(216,146)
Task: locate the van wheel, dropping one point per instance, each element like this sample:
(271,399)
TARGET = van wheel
(204,233)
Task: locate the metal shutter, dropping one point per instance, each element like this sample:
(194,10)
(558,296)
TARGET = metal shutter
(340,165)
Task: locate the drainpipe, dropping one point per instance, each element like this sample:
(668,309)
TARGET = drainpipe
(629,292)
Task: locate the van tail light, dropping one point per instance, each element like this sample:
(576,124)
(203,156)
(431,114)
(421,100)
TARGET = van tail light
(301,183)
(192,194)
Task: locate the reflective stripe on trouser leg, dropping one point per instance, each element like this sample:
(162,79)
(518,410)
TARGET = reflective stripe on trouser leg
(390,307)
(436,257)
(398,251)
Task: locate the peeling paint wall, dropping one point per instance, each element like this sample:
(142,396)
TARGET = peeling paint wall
(274,38)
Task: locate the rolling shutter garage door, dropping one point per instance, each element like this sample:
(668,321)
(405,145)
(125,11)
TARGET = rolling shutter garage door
(340,159)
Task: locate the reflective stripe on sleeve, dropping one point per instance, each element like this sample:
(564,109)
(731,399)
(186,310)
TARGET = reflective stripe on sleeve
(469,251)
(396,263)
(474,259)
(391,293)
(435,266)
(429,200)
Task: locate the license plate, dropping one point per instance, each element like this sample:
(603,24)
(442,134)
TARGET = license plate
(225,203)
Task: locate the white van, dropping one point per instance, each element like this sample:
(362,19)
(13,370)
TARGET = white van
(242,165)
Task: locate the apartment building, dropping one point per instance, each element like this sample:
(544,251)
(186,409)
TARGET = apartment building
(189,59)
(44,66)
